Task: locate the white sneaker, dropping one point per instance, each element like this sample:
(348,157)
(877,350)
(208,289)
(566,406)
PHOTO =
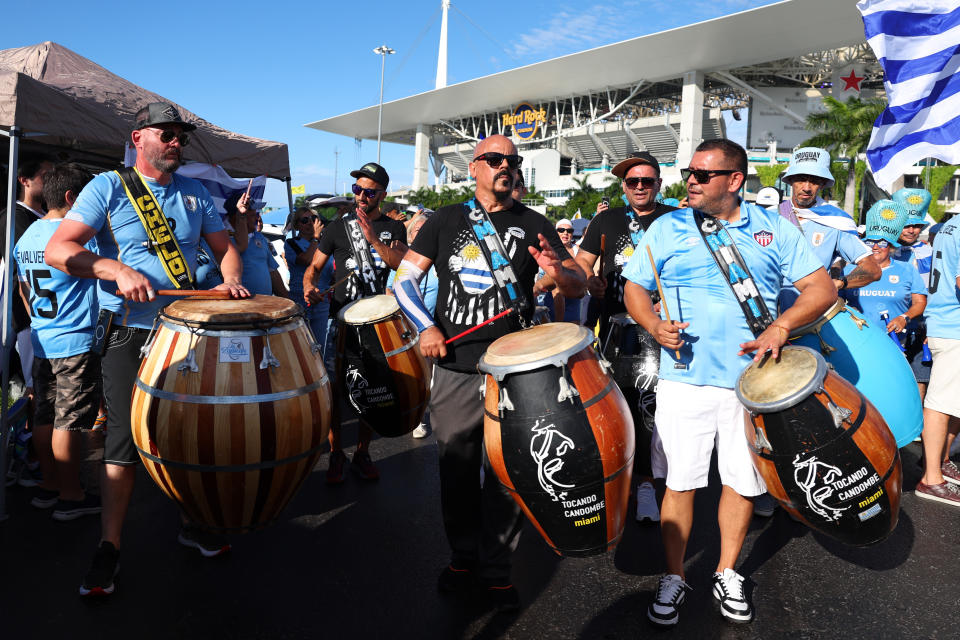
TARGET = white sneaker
(671,592)
(764,505)
(647,503)
(728,589)
(422,431)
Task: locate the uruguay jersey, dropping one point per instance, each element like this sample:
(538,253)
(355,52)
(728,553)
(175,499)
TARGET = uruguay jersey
(63,308)
(829,244)
(891,294)
(920,255)
(943,303)
(695,291)
(258,262)
(104,206)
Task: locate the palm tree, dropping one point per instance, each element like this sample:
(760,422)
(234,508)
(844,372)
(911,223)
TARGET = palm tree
(844,129)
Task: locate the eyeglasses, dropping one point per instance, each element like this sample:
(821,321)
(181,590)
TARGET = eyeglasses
(703,176)
(645,181)
(169,135)
(564,230)
(880,244)
(306,220)
(368,193)
(496,159)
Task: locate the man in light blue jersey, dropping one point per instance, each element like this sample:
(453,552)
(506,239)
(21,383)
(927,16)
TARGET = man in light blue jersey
(696,402)
(128,262)
(941,406)
(66,374)
(830,231)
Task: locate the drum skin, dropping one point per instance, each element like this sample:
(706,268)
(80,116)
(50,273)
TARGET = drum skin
(568,464)
(866,357)
(844,482)
(381,370)
(232,462)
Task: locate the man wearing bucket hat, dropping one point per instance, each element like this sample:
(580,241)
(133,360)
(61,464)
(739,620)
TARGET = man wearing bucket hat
(828,229)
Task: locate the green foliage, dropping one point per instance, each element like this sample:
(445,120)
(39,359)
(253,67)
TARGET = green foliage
(837,192)
(676,190)
(444,196)
(769,174)
(939,176)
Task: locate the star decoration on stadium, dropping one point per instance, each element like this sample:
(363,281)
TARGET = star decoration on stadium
(852,81)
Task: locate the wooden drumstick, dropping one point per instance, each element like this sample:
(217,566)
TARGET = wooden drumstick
(663,300)
(482,324)
(190,293)
(334,285)
(249,184)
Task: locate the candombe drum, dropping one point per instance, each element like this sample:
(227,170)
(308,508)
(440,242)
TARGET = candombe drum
(559,435)
(821,447)
(633,353)
(231,408)
(865,356)
(379,366)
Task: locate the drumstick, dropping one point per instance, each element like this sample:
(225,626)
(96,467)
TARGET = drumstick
(249,184)
(334,285)
(190,293)
(482,324)
(663,300)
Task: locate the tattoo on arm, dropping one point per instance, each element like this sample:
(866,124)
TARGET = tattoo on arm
(858,278)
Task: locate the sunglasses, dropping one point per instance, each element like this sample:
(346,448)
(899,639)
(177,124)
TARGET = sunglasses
(645,181)
(306,220)
(703,176)
(564,230)
(169,135)
(494,159)
(367,193)
(882,244)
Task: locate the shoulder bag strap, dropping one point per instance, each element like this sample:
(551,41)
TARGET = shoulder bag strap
(360,250)
(497,258)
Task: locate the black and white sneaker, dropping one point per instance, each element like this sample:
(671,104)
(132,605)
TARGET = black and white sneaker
(728,589)
(671,592)
(106,564)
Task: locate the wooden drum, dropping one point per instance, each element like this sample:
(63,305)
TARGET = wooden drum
(379,366)
(559,435)
(231,408)
(822,448)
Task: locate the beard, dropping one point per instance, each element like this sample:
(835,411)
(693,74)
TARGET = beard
(504,192)
(712,206)
(165,161)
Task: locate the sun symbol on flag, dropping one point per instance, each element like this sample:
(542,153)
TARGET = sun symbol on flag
(915,199)
(470,252)
(628,252)
(888,214)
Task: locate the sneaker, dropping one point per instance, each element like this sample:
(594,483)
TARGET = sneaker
(671,592)
(336,469)
(728,590)
(45,498)
(101,422)
(364,466)
(456,579)
(502,596)
(647,503)
(422,431)
(943,492)
(73,509)
(30,476)
(106,564)
(208,544)
(950,471)
(764,505)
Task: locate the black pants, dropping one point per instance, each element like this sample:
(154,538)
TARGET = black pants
(643,406)
(482,523)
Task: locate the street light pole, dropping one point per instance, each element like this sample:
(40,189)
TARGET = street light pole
(383,51)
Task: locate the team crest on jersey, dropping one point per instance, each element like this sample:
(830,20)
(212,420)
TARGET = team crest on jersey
(190,202)
(817,239)
(763,238)
(894,279)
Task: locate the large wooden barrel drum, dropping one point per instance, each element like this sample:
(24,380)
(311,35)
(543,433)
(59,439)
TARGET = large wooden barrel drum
(231,408)
(822,448)
(559,435)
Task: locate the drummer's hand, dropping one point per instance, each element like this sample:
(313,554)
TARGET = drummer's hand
(547,258)
(133,285)
(668,334)
(313,296)
(245,206)
(597,286)
(432,343)
(774,337)
(898,324)
(236,289)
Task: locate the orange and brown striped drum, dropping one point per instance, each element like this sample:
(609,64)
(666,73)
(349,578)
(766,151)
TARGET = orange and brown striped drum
(559,435)
(231,408)
(822,448)
(379,365)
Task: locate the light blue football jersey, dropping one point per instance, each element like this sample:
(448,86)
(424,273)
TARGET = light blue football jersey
(891,294)
(943,303)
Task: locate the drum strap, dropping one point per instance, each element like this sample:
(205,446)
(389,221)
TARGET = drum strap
(160,238)
(734,271)
(498,260)
(360,250)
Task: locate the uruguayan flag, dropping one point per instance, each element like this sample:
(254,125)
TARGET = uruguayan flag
(475,281)
(918,45)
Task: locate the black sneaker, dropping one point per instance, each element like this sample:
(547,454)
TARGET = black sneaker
(364,466)
(456,579)
(106,564)
(336,471)
(671,592)
(45,498)
(73,509)
(208,544)
(728,590)
(503,596)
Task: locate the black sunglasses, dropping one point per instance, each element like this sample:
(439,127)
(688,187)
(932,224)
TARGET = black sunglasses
(168,135)
(645,181)
(703,176)
(564,230)
(305,220)
(369,193)
(495,159)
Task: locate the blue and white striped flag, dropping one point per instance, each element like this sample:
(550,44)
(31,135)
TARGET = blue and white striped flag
(918,45)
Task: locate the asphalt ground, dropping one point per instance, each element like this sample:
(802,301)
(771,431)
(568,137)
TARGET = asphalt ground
(361,561)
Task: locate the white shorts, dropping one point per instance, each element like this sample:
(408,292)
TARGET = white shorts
(690,420)
(943,391)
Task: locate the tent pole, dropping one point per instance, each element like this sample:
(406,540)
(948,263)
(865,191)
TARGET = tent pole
(290,198)
(9,337)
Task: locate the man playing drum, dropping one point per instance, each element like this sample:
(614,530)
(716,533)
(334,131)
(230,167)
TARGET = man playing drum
(363,256)
(105,210)
(711,335)
(482,522)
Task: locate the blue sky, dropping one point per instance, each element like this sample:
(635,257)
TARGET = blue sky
(265,69)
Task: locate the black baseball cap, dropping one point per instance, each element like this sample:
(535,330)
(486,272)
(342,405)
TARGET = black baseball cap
(373,171)
(640,157)
(161,113)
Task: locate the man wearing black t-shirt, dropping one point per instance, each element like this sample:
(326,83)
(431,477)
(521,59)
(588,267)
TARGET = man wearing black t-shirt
(356,277)
(482,523)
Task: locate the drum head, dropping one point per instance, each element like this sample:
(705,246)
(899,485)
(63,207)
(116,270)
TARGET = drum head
(367,310)
(774,385)
(543,345)
(245,311)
